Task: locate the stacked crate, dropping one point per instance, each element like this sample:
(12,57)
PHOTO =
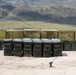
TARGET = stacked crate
(74,42)
(2,36)
(27,47)
(11,34)
(31,33)
(66,35)
(57,47)
(17,47)
(47,47)
(73,45)
(8,47)
(37,47)
(67,45)
(49,33)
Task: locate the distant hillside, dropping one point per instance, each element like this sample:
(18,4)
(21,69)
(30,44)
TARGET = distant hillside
(58,11)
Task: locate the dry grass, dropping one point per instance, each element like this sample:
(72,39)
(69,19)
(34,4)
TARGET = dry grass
(34,24)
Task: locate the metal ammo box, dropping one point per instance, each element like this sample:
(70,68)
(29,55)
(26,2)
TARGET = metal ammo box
(2,36)
(27,47)
(57,47)
(66,45)
(47,47)
(37,47)
(1,45)
(17,43)
(8,47)
(73,46)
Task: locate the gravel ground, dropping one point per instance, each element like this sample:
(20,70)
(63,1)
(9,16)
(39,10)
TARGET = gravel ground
(63,65)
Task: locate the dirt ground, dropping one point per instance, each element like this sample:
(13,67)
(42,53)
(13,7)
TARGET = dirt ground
(63,65)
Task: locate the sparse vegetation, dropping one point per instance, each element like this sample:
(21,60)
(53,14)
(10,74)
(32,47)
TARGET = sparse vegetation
(33,24)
